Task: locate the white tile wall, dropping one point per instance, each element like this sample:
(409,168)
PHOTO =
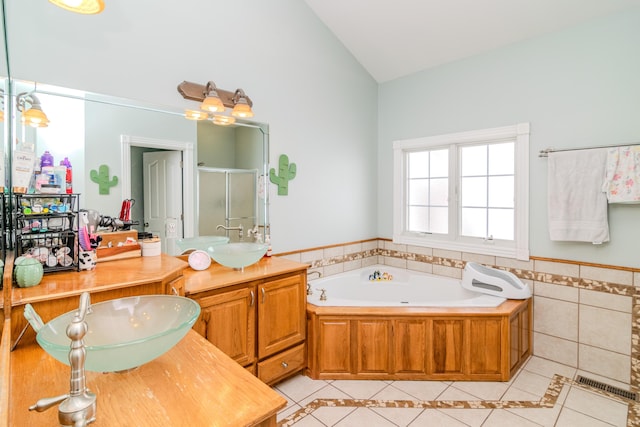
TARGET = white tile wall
(606,329)
(555,317)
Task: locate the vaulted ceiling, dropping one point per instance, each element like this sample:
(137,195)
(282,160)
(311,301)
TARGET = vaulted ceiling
(394,38)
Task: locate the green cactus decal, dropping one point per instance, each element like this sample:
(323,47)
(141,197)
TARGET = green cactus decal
(101,177)
(286,172)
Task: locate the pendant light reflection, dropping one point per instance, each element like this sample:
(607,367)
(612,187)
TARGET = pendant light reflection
(32,115)
(195,115)
(223,120)
(85,7)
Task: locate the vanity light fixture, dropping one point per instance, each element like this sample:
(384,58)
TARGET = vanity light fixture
(212,101)
(32,115)
(86,7)
(207,94)
(241,107)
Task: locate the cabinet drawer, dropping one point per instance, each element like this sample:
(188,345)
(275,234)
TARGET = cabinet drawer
(282,364)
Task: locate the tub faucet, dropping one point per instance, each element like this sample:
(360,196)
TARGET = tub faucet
(239,228)
(78,408)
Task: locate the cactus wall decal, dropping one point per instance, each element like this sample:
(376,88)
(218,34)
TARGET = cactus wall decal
(101,177)
(286,172)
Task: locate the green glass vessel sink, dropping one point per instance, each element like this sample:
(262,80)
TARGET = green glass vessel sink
(238,255)
(123,333)
(202,242)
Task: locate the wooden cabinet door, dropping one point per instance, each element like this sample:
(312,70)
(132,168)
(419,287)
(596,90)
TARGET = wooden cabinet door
(176,286)
(281,314)
(332,352)
(227,320)
(373,341)
(410,346)
(448,346)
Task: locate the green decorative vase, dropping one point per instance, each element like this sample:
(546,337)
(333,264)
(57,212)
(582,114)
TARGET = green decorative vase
(28,272)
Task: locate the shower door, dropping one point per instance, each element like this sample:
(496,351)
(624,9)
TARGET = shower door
(227,197)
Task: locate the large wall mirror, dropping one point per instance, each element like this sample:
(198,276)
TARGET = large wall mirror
(184,178)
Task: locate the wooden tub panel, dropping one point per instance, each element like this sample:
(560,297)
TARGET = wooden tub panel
(481,344)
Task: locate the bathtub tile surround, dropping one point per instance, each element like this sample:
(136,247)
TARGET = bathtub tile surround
(585,316)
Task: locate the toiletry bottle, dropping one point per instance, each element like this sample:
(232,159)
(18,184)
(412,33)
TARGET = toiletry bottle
(68,177)
(46,159)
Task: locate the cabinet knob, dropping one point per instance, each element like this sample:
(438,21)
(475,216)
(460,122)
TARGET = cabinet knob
(285,365)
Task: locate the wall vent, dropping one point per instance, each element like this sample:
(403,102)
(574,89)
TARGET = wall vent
(608,388)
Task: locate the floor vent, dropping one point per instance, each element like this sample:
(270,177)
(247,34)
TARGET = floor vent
(608,388)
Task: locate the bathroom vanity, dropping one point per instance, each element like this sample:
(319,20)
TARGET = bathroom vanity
(194,383)
(263,312)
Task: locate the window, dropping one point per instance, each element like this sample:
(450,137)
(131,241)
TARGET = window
(465,191)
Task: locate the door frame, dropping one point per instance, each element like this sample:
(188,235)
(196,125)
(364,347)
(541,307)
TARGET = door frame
(188,171)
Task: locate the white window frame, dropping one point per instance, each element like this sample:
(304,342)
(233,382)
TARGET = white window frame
(519,247)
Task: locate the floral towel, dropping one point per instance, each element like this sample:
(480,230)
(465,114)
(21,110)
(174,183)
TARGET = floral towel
(622,179)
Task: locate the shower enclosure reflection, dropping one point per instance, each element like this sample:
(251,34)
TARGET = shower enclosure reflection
(227,198)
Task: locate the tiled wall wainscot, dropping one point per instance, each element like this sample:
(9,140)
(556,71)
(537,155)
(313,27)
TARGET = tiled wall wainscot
(585,316)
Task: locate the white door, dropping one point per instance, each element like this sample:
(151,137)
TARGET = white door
(162,185)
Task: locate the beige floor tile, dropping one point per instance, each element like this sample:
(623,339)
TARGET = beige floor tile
(299,387)
(482,390)
(571,418)
(532,383)
(548,368)
(399,417)
(364,417)
(597,406)
(310,421)
(421,390)
(453,393)
(328,392)
(360,389)
(542,416)
(435,418)
(331,416)
(470,417)
(392,393)
(504,418)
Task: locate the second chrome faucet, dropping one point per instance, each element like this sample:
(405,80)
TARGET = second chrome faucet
(239,228)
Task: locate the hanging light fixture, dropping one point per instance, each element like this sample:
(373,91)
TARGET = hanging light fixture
(86,7)
(212,101)
(32,114)
(216,100)
(241,107)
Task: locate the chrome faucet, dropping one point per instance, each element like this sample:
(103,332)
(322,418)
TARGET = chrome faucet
(78,408)
(239,228)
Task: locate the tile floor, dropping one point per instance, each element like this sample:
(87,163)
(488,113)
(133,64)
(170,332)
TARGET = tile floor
(542,393)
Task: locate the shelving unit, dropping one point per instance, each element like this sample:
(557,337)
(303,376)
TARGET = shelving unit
(44,228)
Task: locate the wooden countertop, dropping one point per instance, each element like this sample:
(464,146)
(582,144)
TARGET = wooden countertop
(192,384)
(107,275)
(218,276)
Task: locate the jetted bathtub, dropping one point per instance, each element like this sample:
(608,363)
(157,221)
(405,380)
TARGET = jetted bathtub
(383,286)
(381,322)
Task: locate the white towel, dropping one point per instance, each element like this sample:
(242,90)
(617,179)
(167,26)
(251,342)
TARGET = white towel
(577,206)
(622,182)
